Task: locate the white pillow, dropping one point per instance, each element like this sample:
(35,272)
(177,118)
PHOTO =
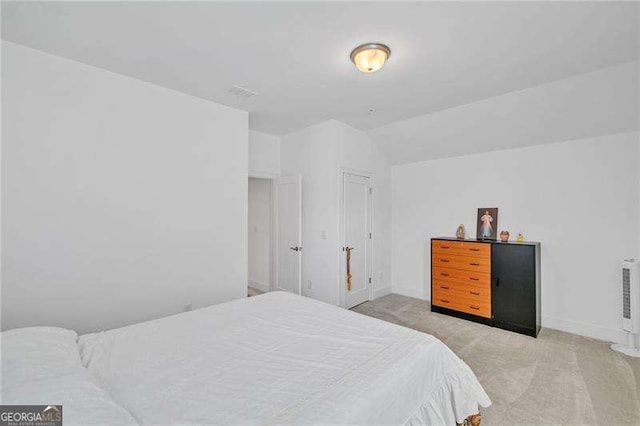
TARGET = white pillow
(83,401)
(35,353)
(41,366)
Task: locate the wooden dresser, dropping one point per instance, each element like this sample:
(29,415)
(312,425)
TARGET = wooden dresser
(490,282)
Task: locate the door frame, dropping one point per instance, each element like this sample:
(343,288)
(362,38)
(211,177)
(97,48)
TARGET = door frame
(272,227)
(342,289)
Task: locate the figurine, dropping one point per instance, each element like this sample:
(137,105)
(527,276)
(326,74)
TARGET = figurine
(460,232)
(520,238)
(504,236)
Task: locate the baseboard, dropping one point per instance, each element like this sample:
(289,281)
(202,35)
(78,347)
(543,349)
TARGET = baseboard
(381,292)
(259,286)
(585,329)
(409,291)
(574,327)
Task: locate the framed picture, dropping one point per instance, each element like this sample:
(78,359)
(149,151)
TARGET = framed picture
(487,223)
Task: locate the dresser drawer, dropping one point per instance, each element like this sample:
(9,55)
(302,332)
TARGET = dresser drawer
(479,307)
(461,248)
(477,278)
(475,264)
(468,291)
(474,308)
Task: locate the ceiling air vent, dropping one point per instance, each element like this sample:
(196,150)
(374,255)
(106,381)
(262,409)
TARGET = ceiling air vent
(241,92)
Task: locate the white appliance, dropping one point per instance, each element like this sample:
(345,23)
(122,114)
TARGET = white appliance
(630,308)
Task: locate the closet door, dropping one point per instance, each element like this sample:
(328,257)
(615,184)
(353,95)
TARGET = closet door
(513,287)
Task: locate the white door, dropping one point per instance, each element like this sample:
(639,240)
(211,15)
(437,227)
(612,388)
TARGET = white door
(288,195)
(356,219)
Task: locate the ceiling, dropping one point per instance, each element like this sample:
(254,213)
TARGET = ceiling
(602,102)
(296,55)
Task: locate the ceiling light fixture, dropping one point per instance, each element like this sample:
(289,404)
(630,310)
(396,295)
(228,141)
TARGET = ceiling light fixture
(370,57)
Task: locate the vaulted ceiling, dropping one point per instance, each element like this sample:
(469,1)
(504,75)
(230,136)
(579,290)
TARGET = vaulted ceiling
(296,55)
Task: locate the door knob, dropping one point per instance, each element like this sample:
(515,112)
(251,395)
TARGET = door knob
(347,248)
(296,248)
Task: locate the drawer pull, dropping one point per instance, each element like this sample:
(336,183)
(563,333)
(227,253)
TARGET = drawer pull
(444,301)
(444,247)
(474,279)
(444,274)
(474,249)
(444,260)
(473,264)
(474,307)
(446,288)
(475,292)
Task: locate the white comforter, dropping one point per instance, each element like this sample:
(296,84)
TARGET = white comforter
(281,359)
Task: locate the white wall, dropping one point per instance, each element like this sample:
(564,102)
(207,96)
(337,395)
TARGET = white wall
(317,153)
(312,153)
(259,233)
(578,198)
(121,200)
(264,154)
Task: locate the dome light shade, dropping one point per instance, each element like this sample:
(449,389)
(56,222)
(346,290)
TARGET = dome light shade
(370,57)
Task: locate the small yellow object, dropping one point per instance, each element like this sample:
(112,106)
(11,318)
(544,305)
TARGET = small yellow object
(520,238)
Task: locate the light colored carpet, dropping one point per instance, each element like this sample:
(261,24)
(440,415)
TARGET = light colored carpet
(558,378)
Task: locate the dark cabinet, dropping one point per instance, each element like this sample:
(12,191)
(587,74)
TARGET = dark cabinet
(515,288)
(485,281)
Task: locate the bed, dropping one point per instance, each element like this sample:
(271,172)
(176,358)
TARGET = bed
(279,358)
(41,366)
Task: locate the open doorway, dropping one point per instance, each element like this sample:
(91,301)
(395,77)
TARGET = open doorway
(260,236)
(274,221)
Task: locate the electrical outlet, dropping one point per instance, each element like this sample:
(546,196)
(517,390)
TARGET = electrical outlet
(309,284)
(188,307)
(324,235)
